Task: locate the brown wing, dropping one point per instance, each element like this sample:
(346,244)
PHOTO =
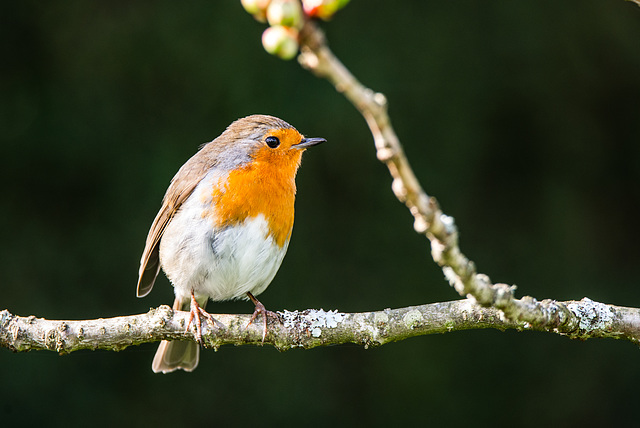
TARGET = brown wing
(181,187)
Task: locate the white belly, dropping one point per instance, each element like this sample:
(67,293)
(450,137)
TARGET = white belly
(221,264)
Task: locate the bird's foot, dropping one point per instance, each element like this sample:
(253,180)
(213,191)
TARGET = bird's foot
(260,309)
(195,313)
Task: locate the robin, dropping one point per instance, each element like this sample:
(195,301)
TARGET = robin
(224,225)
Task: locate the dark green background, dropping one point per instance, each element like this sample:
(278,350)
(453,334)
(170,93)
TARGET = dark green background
(523,118)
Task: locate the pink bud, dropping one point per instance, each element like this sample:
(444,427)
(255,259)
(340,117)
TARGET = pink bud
(257,8)
(324,9)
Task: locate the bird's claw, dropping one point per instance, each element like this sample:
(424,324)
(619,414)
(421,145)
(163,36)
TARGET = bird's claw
(260,309)
(194,313)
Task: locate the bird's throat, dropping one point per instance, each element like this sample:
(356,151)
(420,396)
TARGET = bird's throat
(259,188)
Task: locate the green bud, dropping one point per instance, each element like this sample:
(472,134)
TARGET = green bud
(285,12)
(281,41)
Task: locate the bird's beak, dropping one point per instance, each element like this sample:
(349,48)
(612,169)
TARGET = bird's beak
(308,142)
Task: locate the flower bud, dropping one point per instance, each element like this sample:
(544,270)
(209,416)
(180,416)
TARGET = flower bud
(285,12)
(323,8)
(281,41)
(257,8)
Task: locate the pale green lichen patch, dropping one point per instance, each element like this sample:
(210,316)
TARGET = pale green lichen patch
(380,318)
(312,320)
(449,326)
(591,315)
(412,319)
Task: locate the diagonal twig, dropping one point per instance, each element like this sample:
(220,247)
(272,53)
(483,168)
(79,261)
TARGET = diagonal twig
(429,219)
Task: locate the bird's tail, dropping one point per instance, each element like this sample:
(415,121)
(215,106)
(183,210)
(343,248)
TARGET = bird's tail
(177,354)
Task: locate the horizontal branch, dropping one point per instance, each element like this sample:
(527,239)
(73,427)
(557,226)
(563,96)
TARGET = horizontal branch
(305,329)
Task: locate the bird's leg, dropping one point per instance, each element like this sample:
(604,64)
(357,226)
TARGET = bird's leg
(195,312)
(260,309)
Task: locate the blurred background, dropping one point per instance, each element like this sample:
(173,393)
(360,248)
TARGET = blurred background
(523,118)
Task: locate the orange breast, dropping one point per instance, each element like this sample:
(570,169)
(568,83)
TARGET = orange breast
(265,186)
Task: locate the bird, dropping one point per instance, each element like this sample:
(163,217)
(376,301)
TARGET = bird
(224,225)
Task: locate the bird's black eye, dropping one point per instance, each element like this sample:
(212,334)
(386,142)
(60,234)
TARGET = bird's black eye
(272,141)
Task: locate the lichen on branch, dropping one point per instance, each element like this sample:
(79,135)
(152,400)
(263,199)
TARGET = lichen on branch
(300,329)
